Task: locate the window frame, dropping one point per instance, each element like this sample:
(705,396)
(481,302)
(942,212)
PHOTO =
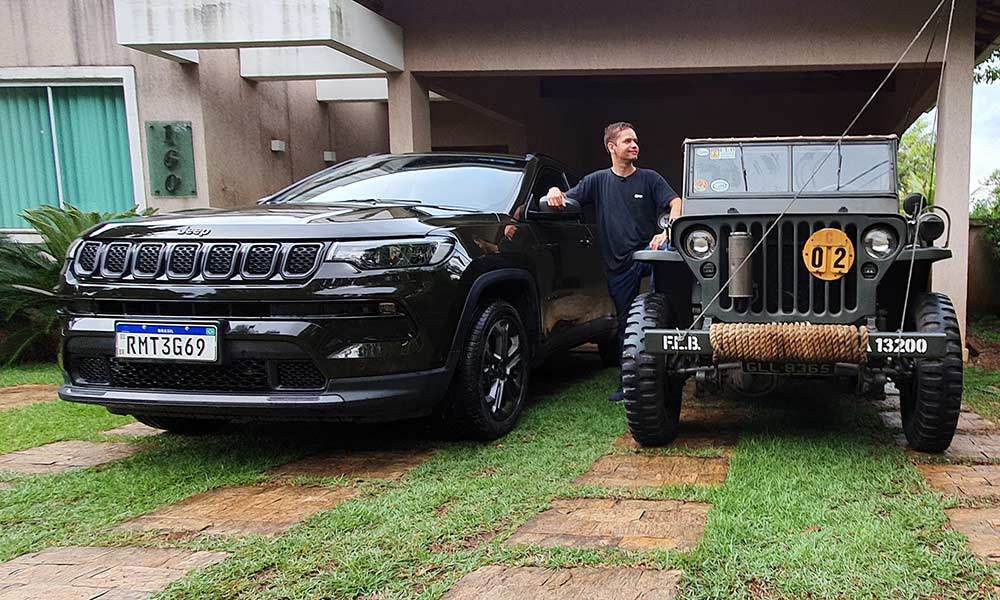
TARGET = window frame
(51,77)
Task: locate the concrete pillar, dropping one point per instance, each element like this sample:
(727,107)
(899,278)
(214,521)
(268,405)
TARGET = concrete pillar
(409,114)
(953,155)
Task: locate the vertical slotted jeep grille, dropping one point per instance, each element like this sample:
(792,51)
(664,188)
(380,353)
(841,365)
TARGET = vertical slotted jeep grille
(195,261)
(780,280)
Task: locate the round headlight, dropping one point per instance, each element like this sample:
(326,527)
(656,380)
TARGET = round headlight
(700,244)
(880,242)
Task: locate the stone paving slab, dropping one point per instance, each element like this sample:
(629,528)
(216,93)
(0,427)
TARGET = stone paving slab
(105,573)
(624,524)
(579,583)
(356,464)
(649,470)
(59,457)
(134,430)
(982,527)
(974,447)
(246,510)
(967,481)
(20,396)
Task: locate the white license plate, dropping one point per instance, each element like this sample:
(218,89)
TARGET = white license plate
(167,342)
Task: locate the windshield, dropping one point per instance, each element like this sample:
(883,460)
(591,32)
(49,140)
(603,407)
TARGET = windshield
(761,168)
(480,185)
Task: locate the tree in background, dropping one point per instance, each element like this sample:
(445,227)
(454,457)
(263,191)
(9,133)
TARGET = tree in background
(986,208)
(989,71)
(916,158)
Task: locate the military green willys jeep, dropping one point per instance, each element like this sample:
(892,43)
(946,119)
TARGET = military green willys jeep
(748,300)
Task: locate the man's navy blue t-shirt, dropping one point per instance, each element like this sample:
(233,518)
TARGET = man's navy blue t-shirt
(627,211)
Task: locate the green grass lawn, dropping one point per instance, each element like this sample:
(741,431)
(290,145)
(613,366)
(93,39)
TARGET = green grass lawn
(982,392)
(819,503)
(31,426)
(986,328)
(45,373)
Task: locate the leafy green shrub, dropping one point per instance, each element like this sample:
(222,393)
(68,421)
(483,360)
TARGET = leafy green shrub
(29,275)
(987,211)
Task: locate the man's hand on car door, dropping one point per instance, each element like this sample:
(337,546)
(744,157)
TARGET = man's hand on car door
(556,198)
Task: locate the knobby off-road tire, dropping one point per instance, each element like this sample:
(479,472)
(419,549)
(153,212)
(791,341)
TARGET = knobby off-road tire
(652,397)
(473,410)
(931,400)
(182,425)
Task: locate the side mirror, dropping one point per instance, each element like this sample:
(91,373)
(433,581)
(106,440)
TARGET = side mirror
(570,212)
(914,203)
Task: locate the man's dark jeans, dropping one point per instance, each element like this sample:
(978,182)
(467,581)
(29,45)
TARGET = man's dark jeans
(623,288)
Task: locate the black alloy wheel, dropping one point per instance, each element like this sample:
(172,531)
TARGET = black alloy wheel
(491,382)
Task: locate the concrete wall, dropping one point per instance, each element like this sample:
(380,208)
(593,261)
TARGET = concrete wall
(233,120)
(984,273)
(653,35)
(360,128)
(454,125)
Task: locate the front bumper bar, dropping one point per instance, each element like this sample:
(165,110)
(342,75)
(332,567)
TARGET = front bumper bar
(880,344)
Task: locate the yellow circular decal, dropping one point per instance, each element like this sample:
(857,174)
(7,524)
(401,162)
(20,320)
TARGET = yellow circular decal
(828,254)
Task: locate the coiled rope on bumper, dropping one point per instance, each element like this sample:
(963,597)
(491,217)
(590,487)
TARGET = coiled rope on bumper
(785,342)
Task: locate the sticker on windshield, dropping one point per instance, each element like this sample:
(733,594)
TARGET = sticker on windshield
(700,185)
(726,153)
(701,151)
(720,185)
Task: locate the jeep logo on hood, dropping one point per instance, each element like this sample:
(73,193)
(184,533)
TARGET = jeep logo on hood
(198,231)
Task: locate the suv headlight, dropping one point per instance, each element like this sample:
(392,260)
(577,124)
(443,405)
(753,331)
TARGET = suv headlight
(880,242)
(700,244)
(392,254)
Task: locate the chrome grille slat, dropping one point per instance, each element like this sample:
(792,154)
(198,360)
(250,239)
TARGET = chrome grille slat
(301,259)
(259,260)
(220,261)
(86,261)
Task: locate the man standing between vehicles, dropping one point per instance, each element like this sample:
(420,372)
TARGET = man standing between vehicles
(629,201)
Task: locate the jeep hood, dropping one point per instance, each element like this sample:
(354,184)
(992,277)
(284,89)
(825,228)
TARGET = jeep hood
(285,222)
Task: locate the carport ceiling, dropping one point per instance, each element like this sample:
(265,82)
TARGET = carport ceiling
(987,26)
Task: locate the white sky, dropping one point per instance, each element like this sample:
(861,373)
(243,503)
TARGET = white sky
(985,133)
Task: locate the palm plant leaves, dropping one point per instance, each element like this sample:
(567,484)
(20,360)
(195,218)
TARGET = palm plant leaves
(29,274)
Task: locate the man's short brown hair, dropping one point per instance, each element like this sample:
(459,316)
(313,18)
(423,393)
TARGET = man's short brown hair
(611,131)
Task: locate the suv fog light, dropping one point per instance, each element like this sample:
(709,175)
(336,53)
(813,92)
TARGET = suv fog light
(700,244)
(880,242)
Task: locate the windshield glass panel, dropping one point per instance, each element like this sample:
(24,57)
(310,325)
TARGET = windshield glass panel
(866,168)
(812,168)
(477,186)
(815,168)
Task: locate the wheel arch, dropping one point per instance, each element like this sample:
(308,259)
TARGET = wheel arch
(512,285)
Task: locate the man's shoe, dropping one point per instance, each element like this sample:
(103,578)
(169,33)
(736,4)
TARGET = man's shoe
(618,397)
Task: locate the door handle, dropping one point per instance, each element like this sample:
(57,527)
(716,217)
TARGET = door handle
(586,242)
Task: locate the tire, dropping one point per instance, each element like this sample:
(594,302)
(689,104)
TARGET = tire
(931,400)
(610,350)
(182,425)
(652,396)
(474,412)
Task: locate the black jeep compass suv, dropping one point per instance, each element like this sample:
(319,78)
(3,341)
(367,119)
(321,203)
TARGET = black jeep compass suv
(387,287)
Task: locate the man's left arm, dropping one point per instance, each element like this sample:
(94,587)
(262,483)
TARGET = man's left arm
(666,200)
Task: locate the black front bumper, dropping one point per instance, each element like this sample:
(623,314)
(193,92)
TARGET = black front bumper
(368,399)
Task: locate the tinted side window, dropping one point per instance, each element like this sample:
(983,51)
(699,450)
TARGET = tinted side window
(547,179)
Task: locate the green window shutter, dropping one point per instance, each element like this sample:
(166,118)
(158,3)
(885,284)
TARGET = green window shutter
(27,164)
(92,136)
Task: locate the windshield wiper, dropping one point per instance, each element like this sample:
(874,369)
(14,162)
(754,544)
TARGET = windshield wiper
(743,166)
(377,200)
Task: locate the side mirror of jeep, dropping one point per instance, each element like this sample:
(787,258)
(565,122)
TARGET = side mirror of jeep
(913,203)
(570,212)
